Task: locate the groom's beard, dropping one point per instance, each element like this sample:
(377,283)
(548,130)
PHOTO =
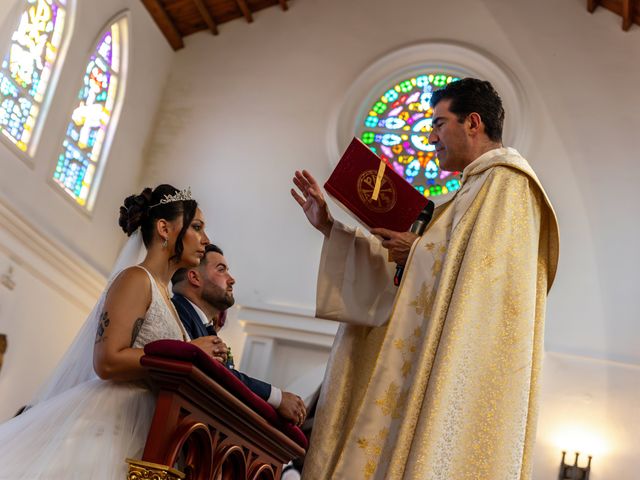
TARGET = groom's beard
(219,298)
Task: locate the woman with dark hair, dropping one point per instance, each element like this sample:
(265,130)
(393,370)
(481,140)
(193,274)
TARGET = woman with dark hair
(96,409)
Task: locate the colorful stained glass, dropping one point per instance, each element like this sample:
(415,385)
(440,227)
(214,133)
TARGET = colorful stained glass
(79,161)
(27,68)
(397,128)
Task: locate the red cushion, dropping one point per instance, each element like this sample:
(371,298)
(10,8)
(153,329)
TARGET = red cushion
(179,350)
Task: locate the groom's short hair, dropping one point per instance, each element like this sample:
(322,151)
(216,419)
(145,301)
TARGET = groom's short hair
(181,274)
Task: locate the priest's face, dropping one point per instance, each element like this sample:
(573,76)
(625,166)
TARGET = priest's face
(450,138)
(217,287)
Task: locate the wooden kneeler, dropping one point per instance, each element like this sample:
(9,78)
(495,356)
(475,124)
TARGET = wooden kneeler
(207,424)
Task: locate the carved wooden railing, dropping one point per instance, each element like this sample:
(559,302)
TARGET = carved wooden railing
(201,430)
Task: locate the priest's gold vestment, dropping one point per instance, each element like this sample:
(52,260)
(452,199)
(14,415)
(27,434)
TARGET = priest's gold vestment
(438,379)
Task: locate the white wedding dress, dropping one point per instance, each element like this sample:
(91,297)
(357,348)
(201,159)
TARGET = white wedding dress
(82,427)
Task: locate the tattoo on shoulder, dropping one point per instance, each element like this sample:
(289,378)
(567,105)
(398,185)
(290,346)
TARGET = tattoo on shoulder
(137,325)
(102,326)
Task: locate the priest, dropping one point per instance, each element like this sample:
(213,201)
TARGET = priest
(438,378)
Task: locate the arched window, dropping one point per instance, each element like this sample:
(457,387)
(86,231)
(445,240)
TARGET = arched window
(93,120)
(27,68)
(387,107)
(397,126)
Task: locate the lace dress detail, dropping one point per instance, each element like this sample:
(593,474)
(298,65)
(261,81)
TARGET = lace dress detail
(160,321)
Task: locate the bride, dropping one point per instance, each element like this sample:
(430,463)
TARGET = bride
(96,409)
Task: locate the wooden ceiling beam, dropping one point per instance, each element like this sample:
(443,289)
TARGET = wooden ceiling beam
(627,14)
(206,16)
(627,9)
(244,8)
(592,5)
(166,25)
(283,5)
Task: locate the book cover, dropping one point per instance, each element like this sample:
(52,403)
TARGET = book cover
(372,191)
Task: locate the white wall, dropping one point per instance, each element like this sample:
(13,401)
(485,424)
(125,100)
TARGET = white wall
(591,407)
(38,334)
(243,110)
(46,293)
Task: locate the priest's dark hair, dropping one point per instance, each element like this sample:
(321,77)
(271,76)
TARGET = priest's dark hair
(144,210)
(471,95)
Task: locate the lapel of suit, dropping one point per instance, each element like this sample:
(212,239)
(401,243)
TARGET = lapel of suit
(191,316)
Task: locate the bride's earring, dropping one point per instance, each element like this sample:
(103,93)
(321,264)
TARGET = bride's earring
(165,243)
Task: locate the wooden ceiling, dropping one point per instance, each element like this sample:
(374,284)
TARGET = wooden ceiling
(629,10)
(179,18)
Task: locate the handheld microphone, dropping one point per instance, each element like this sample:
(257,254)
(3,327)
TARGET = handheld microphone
(417,227)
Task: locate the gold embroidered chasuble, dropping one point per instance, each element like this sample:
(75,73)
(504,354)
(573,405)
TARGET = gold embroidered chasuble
(438,379)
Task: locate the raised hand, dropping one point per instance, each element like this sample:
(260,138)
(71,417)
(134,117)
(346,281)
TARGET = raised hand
(292,408)
(312,201)
(398,243)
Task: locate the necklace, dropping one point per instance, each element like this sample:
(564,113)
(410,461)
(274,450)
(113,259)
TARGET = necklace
(164,288)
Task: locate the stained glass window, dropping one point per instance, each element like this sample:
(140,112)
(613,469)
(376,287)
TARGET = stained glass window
(397,128)
(81,159)
(27,68)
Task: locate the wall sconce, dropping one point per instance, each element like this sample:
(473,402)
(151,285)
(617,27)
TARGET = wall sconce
(7,279)
(574,472)
(3,348)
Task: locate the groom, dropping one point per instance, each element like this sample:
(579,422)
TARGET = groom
(201,295)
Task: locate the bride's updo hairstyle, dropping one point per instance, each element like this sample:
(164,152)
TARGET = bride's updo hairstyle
(143,210)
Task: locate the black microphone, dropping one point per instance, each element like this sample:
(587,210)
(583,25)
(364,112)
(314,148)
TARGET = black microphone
(417,227)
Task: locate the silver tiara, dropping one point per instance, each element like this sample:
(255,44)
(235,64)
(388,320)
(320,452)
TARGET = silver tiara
(180,196)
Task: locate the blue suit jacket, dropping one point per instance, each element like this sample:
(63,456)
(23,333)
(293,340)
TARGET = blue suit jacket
(195,328)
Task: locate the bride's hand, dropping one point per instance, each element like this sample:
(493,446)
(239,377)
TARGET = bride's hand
(212,345)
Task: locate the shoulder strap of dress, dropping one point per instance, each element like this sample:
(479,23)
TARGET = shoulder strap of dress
(155,291)
(146,271)
(153,280)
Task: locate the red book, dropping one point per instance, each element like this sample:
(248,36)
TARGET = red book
(372,191)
